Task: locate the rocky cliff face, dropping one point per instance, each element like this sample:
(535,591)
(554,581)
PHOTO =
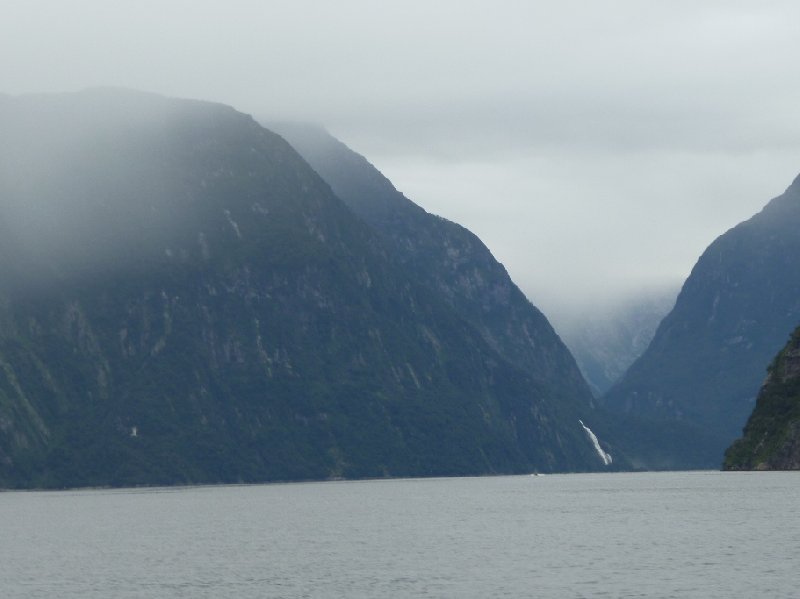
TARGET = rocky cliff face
(771,439)
(182,299)
(705,364)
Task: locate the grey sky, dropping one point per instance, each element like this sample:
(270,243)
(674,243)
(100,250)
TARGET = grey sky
(596,147)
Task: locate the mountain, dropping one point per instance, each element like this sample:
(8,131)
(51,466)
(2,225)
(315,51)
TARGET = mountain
(705,363)
(451,260)
(771,439)
(608,340)
(184,300)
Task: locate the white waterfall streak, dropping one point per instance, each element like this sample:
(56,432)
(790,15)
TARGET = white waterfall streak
(606,457)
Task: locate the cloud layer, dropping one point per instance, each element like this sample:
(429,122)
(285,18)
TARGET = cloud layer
(597,147)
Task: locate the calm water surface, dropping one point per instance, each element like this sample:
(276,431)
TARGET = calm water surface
(698,534)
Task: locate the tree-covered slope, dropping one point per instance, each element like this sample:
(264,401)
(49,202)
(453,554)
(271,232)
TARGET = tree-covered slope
(706,361)
(182,299)
(771,439)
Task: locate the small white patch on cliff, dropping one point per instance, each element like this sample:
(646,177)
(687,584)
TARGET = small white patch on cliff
(606,457)
(233,223)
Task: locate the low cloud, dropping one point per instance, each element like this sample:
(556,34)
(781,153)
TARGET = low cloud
(595,147)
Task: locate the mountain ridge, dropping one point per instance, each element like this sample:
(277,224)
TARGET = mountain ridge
(446,256)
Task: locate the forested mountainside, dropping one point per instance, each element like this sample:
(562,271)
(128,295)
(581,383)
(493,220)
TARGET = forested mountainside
(184,300)
(771,439)
(707,359)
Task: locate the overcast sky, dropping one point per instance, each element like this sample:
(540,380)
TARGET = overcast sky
(596,147)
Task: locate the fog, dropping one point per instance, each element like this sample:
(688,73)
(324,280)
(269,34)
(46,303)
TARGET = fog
(91,182)
(596,148)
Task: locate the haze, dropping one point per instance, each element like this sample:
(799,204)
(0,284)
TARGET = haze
(596,148)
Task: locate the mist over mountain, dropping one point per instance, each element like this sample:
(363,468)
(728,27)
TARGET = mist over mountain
(183,299)
(707,359)
(606,341)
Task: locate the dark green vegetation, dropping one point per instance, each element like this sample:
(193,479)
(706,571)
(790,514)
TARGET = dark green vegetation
(184,300)
(771,438)
(703,369)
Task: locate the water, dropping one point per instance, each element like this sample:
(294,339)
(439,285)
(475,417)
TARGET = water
(700,534)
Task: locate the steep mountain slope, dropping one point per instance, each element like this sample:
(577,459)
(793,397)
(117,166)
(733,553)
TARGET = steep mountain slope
(771,439)
(609,339)
(182,299)
(707,359)
(451,260)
